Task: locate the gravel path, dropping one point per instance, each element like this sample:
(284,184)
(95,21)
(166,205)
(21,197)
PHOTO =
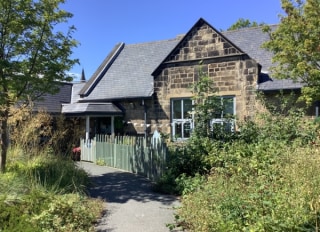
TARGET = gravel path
(131,205)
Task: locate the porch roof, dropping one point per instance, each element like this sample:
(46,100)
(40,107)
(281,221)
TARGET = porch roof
(79,109)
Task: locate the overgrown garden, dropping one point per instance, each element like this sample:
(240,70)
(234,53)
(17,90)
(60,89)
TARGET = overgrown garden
(265,179)
(42,188)
(262,177)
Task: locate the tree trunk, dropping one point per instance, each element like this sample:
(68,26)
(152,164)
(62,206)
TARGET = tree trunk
(4,141)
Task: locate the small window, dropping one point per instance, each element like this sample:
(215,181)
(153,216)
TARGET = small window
(182,119)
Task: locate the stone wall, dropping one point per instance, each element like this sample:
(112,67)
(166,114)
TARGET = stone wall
(232,77)
(203,50)
(233,73)
(135,116)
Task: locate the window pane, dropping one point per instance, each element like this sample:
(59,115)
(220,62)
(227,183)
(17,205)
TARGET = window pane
(186,129)
(187,108)
(178,130)
(176,109)
(228,106)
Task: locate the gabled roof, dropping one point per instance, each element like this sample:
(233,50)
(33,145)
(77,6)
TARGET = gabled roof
(129,76)
(250,41)
(198,24)
(102,69)
(127,72)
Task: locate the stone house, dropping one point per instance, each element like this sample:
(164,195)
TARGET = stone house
(140,88)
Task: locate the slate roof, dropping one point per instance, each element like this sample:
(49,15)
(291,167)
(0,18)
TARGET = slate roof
(91,109)
(129,76)
(102,69)
(127,71)
(75,97)
(51,103)
(250,41)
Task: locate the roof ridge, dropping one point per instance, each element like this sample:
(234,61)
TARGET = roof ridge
(154,41)
(106,63)
(249,28)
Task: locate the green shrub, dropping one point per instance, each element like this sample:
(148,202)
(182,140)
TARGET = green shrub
(46,193)
(68,212)
(262,178)
(187,184)
(255,194)
(40,211)
(184,160)
(15,210)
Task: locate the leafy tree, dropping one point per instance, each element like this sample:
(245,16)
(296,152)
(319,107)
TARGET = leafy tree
(296,45)
(243,23)
(34,55)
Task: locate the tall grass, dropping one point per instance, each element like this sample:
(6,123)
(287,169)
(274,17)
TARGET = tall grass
(43,189)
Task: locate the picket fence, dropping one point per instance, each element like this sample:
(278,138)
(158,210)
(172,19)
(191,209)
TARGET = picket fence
(143,156)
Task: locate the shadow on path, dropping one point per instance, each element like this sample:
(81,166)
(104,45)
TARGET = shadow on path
(116,186)
(131,205)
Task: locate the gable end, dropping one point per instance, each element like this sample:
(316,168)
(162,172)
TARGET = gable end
(201,42)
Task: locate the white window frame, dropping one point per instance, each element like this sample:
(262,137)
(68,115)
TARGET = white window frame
(223,120)
(181,121)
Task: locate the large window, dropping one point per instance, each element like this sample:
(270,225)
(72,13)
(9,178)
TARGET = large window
(182,123)
(182,117)
(225,118)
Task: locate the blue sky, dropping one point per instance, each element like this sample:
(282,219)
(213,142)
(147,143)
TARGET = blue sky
(103,23)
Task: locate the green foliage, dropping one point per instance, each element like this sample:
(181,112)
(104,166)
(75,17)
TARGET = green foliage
(41,211)
(285,121)
(34,55)
(46,193)
(68,213)
(187,184)
(182,163)
(42,190)
(53,173)
(207,106)
(57,174)
(15,211)
(296,46)
(262,179)
(258,196)
(243,23)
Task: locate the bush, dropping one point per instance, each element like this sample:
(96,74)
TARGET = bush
(185,161)
(68,212)
(17,209)
(40,211)
(270,188)
(46,193)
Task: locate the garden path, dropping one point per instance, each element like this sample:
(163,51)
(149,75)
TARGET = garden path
(131,205)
